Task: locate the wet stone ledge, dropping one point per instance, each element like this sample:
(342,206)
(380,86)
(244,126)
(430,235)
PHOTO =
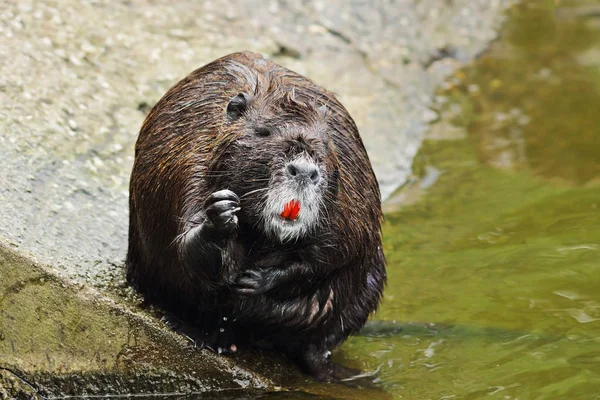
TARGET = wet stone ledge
(57,339)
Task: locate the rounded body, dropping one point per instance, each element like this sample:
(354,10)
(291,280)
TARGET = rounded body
(254,212)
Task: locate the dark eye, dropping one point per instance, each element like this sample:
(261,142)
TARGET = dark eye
(262,132)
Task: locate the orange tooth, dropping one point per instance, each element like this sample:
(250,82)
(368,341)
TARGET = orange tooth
(286,211)
(295,209)
(291,210)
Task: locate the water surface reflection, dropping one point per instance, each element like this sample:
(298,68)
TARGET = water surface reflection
(498,261)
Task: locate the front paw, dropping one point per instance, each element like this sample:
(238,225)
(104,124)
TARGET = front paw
(250,283)
(221,208)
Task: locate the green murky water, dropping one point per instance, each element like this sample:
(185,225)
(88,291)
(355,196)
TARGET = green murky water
(497,261)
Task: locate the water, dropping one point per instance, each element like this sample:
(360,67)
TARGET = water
(494,255)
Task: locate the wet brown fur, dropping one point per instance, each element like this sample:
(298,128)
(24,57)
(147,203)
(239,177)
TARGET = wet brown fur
(183,154)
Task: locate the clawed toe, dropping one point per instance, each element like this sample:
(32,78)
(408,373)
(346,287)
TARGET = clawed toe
(248,283)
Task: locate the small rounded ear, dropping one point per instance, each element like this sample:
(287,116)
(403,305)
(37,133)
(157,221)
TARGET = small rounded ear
(237,106)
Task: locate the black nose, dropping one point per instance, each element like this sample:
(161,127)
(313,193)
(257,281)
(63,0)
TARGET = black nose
(303,170)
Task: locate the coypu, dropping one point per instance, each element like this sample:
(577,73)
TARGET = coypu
(254,212)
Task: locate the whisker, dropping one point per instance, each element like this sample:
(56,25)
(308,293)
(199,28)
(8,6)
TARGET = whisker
(253,191)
